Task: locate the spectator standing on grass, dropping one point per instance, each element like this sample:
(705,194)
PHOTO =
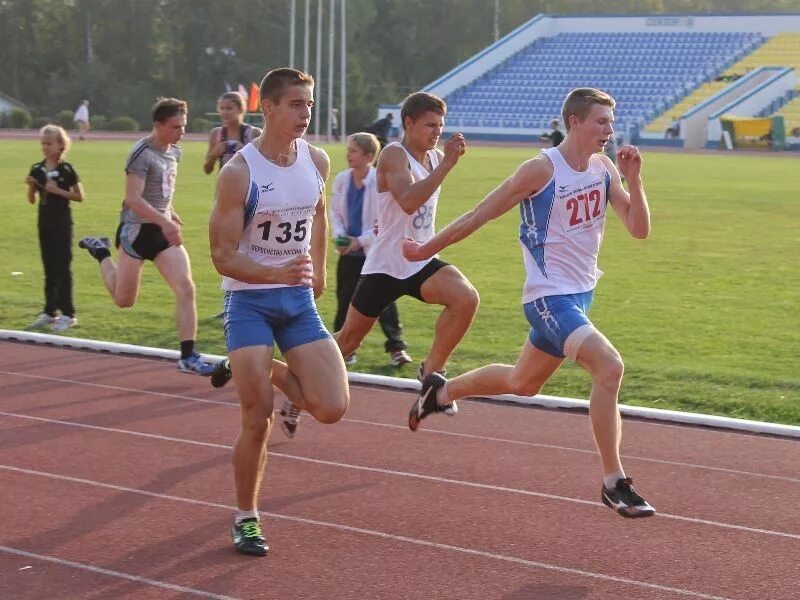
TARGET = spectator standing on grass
(555,137)
(57,184)
(335,124)
(81,119)
(381,129)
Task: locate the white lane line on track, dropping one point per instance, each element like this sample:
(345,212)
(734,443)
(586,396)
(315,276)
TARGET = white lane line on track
(431,431)
(578,450)
(642,421)
(91,568)
(379,534)
(395,473)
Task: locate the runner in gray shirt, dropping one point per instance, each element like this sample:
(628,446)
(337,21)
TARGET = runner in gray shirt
(159,169)
(151,230)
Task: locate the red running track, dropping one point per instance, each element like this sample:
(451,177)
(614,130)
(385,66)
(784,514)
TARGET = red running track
(116,482)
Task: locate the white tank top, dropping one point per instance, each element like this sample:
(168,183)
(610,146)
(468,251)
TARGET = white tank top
(279,211)
(562,228)
(394,226)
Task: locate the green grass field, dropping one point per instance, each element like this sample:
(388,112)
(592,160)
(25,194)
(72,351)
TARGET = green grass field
(704,312)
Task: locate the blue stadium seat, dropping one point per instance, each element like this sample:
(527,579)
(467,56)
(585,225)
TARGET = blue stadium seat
(646,73)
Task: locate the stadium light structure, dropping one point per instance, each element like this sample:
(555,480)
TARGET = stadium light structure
(306,36)
(318,74)
(292,32)
(328,104)
(331,52)
(343,73)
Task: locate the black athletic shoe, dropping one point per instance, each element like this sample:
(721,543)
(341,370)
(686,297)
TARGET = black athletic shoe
(624,499)
(94,245)
(426,401)
(448,409)
(248,539)
(221,373)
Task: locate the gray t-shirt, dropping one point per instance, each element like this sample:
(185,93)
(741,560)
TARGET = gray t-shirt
(159,170)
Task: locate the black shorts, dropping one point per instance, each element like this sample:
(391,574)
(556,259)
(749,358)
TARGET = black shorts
(376,291)
(143,241)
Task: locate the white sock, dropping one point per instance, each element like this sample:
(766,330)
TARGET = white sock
(610,481)
(442,397)
(241,515)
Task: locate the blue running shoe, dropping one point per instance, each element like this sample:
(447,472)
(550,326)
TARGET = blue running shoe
(195,365)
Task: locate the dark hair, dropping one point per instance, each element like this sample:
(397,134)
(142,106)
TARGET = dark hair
(234,97)
(166,108)
(580,101)
(419,103)
(276,81)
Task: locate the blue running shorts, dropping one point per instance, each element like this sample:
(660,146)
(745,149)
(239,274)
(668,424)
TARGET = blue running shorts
(554,318)
(285,316)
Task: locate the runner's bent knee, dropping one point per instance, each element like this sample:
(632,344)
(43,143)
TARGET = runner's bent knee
(331,411)
(522,386)
(124,300)
(469,298)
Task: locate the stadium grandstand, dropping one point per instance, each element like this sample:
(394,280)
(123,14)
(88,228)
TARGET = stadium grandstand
(675,78)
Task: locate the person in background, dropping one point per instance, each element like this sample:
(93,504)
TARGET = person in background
(555,137)
(232,135)
(673,131)
(150,229)
(81,119)
(354,212)
(57,185)
(335,123)
(381,129)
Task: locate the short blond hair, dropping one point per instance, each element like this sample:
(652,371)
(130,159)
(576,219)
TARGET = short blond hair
(580,101)
(59,133)
(367,142)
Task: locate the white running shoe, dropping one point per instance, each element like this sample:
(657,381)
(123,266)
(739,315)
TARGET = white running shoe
(399,358)
(290,416)
(42,320)
(63,323)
